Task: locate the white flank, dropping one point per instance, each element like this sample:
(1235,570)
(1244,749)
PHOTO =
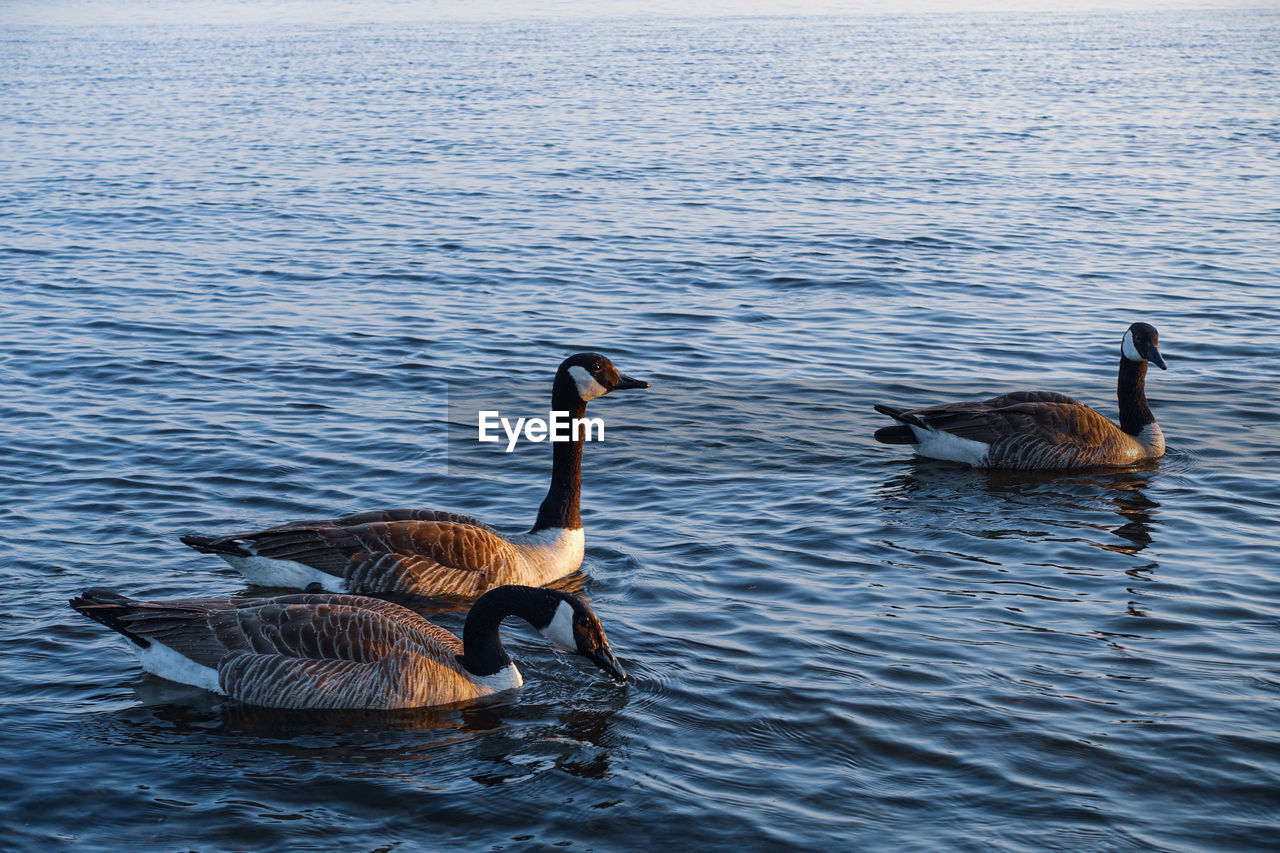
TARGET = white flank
(547,554)
(1151,437)
(560,631)
(264,571)
(1128,349)
(507,678)
(588,387)
(159,659)
(943,445)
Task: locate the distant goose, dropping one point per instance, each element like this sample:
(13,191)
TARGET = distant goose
(1041,429)
(342,651)
(432,553)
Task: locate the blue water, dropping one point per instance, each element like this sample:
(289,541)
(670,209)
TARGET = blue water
(253,266)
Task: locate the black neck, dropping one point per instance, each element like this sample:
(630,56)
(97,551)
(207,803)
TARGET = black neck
(560,506)
(1134,413)
(482,651)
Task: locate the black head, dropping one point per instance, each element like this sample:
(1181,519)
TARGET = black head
(574,627)
(593,375)
(1141,343)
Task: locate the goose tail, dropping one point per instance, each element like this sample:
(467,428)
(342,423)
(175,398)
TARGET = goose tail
(109,608)
(902,433)
(215,545)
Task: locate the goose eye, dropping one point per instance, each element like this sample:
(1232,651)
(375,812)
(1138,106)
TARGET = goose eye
(596,367)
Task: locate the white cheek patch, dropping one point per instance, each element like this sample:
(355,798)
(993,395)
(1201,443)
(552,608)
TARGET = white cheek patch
(1130,351)
(588,387)
(560,631)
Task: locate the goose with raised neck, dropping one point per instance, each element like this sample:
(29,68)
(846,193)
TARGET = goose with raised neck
(431,552)
(1042,429)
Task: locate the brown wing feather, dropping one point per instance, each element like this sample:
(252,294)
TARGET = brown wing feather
(371,516)
(1033,429)
(327,654)
(445,557)
(413,574)
(330,627)
(1031,397)
(310,651)
(411,515)
(279,682)
(400,679)
(412,556)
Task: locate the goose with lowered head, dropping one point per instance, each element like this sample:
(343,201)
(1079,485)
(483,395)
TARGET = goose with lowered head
(343,651)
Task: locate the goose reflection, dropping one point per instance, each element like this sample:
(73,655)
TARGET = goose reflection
(580,744)
(1139,511)
(496,737)
(1031,505)
(191,711)
(481,745)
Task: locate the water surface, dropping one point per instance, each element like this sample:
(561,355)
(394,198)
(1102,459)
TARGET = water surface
(246,268)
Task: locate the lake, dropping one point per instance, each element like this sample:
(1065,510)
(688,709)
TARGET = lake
(264,262)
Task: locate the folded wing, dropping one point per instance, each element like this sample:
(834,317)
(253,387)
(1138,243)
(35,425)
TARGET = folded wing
(1029,429)
(300,651)
(387,551)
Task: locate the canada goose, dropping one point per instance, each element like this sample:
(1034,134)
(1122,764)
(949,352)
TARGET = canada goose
(342,651)
(432,553)
(1041,429)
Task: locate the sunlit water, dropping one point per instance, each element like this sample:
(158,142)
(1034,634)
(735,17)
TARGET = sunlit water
(247,268)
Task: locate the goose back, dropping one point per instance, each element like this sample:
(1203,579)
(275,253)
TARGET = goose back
(441,556)
(1025,430)
(302,651)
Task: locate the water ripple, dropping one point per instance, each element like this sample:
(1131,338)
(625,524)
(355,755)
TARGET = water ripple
(279,301)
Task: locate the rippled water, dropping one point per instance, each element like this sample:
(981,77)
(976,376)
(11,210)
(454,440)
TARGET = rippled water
(247,266)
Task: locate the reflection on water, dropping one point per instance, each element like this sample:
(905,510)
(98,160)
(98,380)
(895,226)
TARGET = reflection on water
(1140,512)
(520,737)
(183,709)
(997,504)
